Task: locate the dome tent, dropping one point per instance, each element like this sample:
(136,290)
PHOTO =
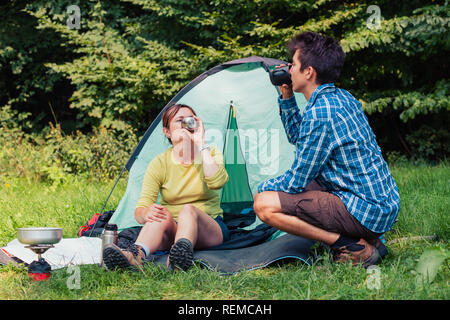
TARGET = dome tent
(238,106)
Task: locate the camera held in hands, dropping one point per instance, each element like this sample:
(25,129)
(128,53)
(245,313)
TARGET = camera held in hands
(280,76)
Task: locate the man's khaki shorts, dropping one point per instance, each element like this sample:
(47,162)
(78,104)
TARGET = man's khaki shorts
(325,211)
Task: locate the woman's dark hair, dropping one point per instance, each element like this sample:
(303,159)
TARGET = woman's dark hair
(322,53)
(170,112)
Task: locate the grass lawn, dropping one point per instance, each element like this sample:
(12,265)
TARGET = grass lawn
(425,208)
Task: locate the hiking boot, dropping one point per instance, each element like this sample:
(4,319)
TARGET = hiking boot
(181,255)
(117,258)
(382,249)
(358,252)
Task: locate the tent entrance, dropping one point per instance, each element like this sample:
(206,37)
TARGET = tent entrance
(236,193)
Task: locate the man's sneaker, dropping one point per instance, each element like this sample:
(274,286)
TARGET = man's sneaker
(358,252)
(181,255)
(117,258)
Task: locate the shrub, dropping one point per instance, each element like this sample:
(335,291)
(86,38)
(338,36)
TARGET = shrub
(430,144)
(52,155)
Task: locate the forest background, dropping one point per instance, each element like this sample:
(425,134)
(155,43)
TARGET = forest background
(76,98)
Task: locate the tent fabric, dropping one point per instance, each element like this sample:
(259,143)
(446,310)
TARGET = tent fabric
(242,87)
(265,63)
(237,189)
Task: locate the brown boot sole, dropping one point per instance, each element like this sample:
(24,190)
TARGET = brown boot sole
(114,259)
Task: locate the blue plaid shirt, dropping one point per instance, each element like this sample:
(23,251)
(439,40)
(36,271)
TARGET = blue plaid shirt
(336,147)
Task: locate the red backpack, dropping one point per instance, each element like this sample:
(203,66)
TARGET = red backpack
(94,227)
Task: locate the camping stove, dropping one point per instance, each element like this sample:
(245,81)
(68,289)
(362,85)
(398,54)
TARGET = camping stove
(39,270)
(39,240)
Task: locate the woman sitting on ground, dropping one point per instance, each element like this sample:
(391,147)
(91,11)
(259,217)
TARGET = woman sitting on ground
(188,176)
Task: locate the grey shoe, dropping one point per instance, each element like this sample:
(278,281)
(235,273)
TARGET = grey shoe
(117,258)
(181,255)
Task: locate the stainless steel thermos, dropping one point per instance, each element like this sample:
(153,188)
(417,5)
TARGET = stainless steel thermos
(109,236)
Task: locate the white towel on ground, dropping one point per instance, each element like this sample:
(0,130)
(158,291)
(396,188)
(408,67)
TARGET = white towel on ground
(67,252)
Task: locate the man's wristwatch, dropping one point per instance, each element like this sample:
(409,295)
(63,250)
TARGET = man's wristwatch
(203,147)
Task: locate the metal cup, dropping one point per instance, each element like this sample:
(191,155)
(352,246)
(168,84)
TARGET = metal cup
(189,123)
(280,76)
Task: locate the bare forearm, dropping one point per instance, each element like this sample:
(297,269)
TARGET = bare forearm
(139,215)
(210,166)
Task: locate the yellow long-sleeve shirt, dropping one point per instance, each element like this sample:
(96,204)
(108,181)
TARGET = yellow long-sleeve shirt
(182,184)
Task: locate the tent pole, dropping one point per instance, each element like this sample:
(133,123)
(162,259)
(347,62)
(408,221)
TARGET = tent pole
(107,199)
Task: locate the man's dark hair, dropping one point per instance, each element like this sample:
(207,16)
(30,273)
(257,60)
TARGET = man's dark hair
(322,53)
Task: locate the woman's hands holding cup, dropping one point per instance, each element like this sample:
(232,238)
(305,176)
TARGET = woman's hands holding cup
(195,135)
(198,136)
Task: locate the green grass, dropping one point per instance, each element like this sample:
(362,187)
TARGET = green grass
(425,203)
